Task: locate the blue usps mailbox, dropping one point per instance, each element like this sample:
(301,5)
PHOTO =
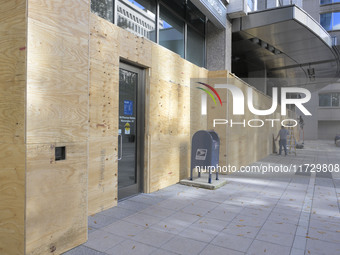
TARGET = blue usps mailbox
(205,150)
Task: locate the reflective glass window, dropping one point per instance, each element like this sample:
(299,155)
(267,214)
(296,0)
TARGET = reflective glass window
(195,18)
(326,21)
(195,47)
(251,5)
(335,99)
(325,100)
(141,12)
(177,6)
(336,21)
(329,1)
(103,8)
(171,31)
(330,21)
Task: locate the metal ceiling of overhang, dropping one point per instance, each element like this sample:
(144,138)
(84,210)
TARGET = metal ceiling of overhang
(287,43)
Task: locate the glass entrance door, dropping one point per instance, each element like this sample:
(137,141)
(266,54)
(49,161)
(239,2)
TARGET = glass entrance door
(131,130)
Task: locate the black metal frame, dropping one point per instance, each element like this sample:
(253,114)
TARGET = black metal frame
(140,121)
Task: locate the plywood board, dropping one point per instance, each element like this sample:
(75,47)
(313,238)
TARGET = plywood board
(13,41)
(102,180)
(169,158)
(103,95)
(103,114)
(57,89)
(169,118)
(12,199)
(134,48)
(57,115)
(56,206)
(104,38)
(65,16)
(12,112)
(13,56)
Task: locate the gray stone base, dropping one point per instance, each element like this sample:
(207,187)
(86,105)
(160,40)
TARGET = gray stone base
(203,182)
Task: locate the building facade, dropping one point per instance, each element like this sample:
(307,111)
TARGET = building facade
(99,100)
(267,62)
(325,122)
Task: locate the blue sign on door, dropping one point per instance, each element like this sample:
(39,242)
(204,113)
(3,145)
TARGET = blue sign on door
(128,107)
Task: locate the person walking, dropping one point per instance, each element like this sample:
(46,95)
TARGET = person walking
(283,133)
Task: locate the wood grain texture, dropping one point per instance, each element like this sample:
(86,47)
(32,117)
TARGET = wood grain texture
(103,115)
(102,180)
(169,160)
(134,48)
(57,89)
(13,42)
(13,55)
(103,94)
(57,115)
(56,207)
(12,112)
(12,199)
(169,119)
(69,17)
(103,40)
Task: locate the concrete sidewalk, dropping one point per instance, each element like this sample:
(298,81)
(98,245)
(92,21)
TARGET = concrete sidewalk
(290,213)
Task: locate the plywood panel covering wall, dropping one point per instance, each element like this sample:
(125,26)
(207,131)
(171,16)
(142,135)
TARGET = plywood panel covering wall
(56,206)
(241,146)
(12,199)
(12,71)
(13,41)
(169,118)
(103,120)
(103,115)
(108,45)
(167,135)
(57,115)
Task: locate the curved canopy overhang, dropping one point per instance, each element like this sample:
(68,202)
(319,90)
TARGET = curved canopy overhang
(287,43)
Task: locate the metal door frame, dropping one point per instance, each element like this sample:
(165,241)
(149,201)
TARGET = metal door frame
(140,132)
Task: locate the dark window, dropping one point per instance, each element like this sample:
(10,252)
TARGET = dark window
(195,18)
(329,100)
(171,31)
(195,47)
(177,6)
(325,100)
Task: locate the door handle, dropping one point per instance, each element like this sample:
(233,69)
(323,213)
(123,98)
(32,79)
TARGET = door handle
(121,147)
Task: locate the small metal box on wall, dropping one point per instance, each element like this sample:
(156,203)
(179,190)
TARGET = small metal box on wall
(205,150)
